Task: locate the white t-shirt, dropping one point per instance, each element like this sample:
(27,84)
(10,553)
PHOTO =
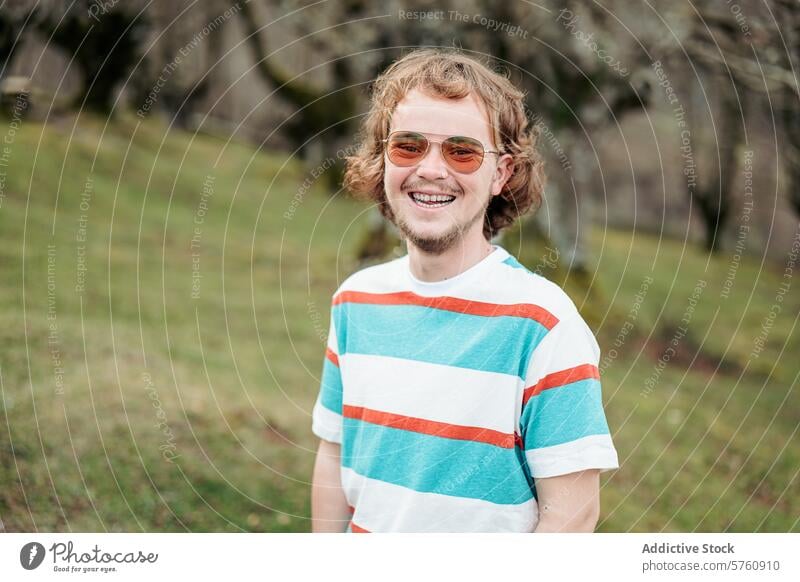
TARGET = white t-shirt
(449,399)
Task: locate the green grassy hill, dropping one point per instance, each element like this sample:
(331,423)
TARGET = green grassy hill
(163,309)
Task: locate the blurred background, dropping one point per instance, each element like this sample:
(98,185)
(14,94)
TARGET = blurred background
(173,227)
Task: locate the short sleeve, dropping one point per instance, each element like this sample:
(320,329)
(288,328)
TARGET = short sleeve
(562,424)
(326,418)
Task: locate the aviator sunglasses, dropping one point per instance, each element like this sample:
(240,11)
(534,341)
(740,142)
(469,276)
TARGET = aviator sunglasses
(463,154)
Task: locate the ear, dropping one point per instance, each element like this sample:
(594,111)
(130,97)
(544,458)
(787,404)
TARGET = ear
(502,173)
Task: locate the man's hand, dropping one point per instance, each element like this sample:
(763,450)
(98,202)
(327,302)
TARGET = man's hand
(569,503)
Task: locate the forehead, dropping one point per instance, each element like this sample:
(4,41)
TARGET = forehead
(418,111)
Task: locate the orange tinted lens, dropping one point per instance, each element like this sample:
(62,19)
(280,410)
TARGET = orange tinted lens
(464,154)
(406,149)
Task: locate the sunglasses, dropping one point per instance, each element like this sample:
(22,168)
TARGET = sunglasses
(463,154)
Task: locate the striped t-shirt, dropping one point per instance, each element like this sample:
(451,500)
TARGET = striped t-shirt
(449,399)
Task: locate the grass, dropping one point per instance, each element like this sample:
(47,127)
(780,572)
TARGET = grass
(191,412)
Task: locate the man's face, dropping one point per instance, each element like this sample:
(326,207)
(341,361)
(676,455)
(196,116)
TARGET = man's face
(435,229)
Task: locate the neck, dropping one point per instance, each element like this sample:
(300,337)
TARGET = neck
(461,256)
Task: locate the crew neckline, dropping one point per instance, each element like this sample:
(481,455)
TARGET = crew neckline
(428,287)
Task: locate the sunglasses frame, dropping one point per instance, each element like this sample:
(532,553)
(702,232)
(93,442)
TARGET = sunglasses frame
(441,142)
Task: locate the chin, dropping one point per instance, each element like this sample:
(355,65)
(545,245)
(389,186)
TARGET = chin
(432,246)
(432,242)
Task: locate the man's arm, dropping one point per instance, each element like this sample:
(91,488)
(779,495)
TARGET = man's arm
(569,503)
(329,509)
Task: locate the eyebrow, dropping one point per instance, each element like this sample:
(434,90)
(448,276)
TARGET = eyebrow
(444,135)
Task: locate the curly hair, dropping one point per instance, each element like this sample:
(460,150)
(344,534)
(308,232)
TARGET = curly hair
(450,74)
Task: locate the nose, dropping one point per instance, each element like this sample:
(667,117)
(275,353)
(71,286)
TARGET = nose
(433,166)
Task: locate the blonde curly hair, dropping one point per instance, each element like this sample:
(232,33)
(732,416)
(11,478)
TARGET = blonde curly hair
(450,74)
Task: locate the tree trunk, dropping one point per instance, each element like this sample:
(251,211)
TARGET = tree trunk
(322,114)
(715,199)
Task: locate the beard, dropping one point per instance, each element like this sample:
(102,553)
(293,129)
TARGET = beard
(439,244)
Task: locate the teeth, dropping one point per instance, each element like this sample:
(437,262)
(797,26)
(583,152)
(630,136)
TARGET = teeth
(438,199)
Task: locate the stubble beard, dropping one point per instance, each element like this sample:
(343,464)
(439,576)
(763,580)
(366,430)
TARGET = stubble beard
(438,245)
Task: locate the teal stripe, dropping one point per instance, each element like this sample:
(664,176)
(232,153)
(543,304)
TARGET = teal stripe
(331,387)
(431,464)
(512,262)
(501,344)
(563,414)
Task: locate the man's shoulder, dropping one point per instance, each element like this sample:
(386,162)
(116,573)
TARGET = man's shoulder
(374,278)
(515,283)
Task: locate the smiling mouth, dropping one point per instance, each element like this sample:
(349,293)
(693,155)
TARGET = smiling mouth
(431,200)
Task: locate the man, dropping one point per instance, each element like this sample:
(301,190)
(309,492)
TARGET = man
(460,391)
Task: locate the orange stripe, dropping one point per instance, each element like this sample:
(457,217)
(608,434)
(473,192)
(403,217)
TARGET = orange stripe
(332,357)
(430,427)
(357,529)
(467,306)
(556,379)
